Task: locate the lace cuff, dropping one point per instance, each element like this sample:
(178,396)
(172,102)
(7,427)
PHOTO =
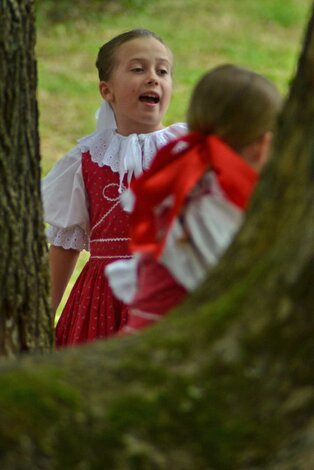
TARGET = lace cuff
(69,238)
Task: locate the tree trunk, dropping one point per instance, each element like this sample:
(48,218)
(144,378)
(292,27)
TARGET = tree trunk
(25,323)
(226,382)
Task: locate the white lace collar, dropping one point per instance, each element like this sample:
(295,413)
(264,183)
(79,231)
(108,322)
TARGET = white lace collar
(130,154)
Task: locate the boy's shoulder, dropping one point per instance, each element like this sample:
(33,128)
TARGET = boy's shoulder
(178,128)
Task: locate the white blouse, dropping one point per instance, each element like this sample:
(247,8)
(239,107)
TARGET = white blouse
(194,246)
(63,192)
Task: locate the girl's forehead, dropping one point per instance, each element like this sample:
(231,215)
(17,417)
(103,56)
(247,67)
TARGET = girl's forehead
(147,48)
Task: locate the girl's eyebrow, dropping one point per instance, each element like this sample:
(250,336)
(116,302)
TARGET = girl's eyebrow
(143,59)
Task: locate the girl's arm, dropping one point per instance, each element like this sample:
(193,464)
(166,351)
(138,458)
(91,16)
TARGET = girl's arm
(62,263)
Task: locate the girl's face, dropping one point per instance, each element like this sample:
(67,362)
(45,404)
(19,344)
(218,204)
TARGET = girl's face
(139,89)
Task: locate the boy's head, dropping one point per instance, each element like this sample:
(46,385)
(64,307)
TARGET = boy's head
(238,105)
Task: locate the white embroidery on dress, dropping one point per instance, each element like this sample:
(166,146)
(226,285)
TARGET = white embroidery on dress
(111,199)
(104,216)
(110,257)
(108,240)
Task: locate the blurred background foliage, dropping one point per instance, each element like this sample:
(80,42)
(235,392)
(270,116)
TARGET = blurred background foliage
(67,10)
(263,35)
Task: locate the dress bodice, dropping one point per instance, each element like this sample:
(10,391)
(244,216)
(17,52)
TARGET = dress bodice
(115,160)
(109,223)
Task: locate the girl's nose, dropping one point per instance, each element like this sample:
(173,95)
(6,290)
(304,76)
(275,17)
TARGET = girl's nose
(152,78)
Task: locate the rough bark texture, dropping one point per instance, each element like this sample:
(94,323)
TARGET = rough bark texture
(226,382)
(25,323)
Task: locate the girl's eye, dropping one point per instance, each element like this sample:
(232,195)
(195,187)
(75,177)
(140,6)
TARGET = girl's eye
(137,69)
(163,72)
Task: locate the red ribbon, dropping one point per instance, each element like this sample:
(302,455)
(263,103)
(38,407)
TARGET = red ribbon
(174,173)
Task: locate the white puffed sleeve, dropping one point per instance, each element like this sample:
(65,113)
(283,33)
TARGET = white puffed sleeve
(210,223)
(65,203)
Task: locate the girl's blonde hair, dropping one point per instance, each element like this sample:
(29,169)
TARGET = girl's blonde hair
(235,104)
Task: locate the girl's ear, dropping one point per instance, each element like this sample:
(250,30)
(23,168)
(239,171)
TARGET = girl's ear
(105,91)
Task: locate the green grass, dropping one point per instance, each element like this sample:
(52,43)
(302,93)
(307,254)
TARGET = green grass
(263,35)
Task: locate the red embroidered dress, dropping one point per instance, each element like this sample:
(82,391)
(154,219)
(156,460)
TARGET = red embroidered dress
(81,198)
(92,311)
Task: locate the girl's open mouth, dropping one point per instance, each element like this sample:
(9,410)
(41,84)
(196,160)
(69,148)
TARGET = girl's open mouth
(151,99)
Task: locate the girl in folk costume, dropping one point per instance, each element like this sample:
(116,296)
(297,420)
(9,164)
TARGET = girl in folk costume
(81,194)
(190,204)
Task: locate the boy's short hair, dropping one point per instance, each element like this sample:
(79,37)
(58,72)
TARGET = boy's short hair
(234,103)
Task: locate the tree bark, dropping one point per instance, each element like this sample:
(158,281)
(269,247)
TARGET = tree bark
(226,381)
(25,323)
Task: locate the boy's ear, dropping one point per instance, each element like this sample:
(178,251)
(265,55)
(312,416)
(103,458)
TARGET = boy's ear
(257,153)
(264,148)
(105,91)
